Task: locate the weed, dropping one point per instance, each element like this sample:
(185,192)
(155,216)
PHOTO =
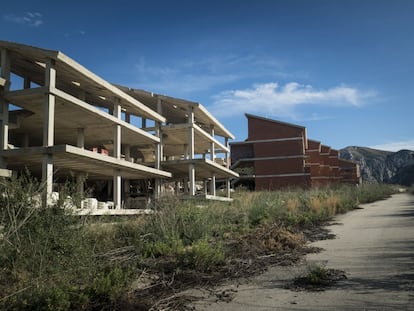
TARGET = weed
(316,275)
(51,259)
(204,255)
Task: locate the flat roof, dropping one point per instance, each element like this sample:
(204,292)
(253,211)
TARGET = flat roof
(176,110)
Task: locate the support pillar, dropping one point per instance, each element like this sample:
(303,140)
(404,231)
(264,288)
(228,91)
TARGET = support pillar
(47,179)
(117,189)
(177,188)
(213,185)
(227,159)
(228,188)
(191,177)
(26,83)
(191,168)
(81,138)
(127,183)
(158,157)
(117,180)
(80,179)
(4,105)
(158,151)
(212,158)
(48,131)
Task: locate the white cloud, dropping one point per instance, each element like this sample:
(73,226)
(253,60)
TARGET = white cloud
(32,19)
(271,99)
(396,146)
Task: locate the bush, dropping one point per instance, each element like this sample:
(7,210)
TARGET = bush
(51,259)
(204,256)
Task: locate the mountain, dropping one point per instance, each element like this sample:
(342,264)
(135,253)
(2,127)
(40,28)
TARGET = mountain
(382,166)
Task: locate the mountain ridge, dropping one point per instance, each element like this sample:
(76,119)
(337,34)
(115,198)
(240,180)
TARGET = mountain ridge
(381,165)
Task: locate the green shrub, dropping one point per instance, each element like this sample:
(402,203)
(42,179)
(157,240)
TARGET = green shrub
(316,275)
(107,287)
(204,256)
(51,259)
(370,192)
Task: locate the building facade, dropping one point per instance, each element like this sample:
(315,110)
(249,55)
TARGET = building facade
(278,155)
(59,120)
(272,157)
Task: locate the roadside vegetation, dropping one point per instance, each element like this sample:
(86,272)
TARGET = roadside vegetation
(51,259)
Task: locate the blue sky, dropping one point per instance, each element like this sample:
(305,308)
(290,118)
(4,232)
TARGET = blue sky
(344,69)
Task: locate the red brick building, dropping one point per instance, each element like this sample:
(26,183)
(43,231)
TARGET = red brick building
(272,157)
(278,155)
(350,172)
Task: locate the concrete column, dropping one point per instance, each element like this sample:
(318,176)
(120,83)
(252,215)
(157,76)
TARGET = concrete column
(177,187)
(212,146)
(212,158)
(81,138)
(158,157)
(117,130)
(4,105)
(117,189)
(191,134)
(228,187)
(127,183)
(49,106)
(191,177)
(227,154)
(127,152)
(191,168)
(80,178)
(117,180)
(185,185)
(48,131)
(80,184)
(186,153)
(213,185)
(227,158)
(26,83)
(47,178)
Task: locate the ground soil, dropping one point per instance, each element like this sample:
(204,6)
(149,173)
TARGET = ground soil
(248,255)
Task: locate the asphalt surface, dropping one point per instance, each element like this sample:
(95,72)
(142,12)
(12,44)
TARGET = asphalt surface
(374,245)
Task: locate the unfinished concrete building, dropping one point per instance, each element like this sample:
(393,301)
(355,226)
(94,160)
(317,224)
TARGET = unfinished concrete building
(60,120)
(194,146)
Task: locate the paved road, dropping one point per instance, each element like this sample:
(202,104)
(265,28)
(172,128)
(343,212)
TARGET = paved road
(374,246)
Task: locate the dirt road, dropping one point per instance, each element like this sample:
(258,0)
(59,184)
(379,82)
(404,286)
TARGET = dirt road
(374,246)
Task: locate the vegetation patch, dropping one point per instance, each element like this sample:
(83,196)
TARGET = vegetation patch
(51,259)
(317,278)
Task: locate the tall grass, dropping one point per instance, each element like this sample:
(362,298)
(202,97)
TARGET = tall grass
(51,259)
